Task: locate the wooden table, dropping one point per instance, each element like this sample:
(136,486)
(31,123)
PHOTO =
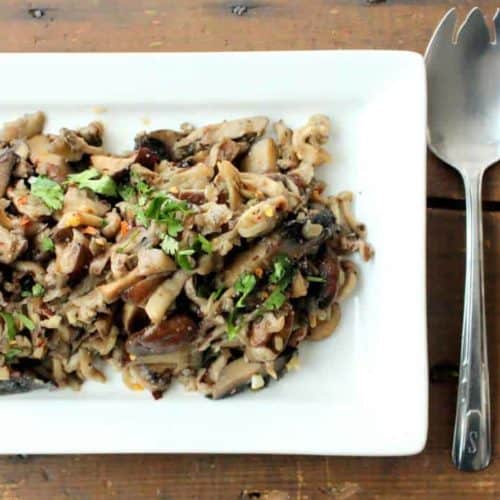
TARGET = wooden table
(134,25)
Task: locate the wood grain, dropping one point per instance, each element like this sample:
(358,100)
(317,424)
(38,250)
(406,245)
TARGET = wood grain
(429,475)
(154,25)
(191,25)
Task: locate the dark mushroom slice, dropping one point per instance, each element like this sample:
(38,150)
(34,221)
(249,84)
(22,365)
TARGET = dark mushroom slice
(142,290)
(329,269)
(7,161)
(238,374)
(158,144)
(73,258)
(155,378)
(22,384)
(167,336)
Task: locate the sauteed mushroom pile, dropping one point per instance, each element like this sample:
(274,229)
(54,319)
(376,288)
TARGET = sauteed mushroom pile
(205,255)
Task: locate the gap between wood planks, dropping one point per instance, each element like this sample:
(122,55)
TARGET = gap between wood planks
(453,204)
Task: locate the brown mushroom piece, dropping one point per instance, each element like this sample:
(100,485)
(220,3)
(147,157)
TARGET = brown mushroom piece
(211,134)
(46,162)
(26,203)
(25,127)
(167,336)
(159,144)
(112,165)
(237,375)
(133,318)
(12,244)
(262,157)
(83,200)
(73,258)
(92,133)
(142,290)
(7,162)
(329,269)
(155,378)
(71,146)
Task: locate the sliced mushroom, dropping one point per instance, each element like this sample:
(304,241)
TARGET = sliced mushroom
(262,217)
(12,244)
(235,376)
(133,318)
(262,157)
(71,146)
(287,157)
(225,150)
(159,142)
(167,336)
(46,162)
(26,203)
(82,200)
(73,258)
(142,290)
(111,165)
(329,270)
(23,128)
(7,161)
(211,134)
(326,328)
(163,297)
(308,140)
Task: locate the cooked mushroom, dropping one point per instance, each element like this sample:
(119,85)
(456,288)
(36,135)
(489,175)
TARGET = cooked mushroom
(12,244)
(159,142)
(72,146)
(261,218)
(27,204)
(23,128)
(73,258)
(308,140)
(167,336)
(111,165)
(142,290)
(262,157)
(83,200)
(46,162)
(7,162)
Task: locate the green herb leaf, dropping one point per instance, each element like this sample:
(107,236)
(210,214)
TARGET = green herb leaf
(169,245)
(10,324)
(174,226)
(92,179)
(47,244)
(275,300)
(183,260)
(232,327)
(38,290)
(12,353)
(203,244)
(218,293)
(315,279)
(49,191)
(244,286)
(126,191)
(283,271)
(26,293)
(25,321)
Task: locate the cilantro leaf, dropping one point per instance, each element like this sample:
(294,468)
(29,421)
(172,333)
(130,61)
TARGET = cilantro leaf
(38,290)
(203,244)
(283,270)
(232,327)
(244,286)
(275,300)
(12,353)
(25,321)
(49,191)
(174,226)
(93,180)
(169,245)
(126,191)
(10,324)
(218,293)
(315,279)
(183,261)
(47,244)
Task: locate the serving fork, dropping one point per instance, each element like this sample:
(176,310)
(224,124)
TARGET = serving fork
(463,78)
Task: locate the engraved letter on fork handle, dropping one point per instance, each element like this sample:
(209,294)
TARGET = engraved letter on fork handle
(471,440)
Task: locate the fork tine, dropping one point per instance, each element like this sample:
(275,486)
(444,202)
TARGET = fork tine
(443,34)
(474,31)
(496,20)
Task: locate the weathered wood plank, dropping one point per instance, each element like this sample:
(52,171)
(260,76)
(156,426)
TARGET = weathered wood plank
(155,25)
(429,475)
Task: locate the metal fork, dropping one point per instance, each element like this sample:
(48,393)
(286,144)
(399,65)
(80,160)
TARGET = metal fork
(464,131)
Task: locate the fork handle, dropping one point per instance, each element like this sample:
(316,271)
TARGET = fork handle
(471,440)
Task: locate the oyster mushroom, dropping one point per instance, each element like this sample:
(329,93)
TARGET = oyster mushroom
(261,218)
(72,146)
(262,157)
(12,244)
(7,161)
(159,142)
(167,336)
(111,165)
(307,141)
(23,128)
(73,258)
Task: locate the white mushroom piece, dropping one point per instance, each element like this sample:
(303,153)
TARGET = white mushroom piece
(7,161)
(308,140)
(262,157)
(261,218)
(23,128)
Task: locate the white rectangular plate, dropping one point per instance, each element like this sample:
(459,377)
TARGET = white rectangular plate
(361,392)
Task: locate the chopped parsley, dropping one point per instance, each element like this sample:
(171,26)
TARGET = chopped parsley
(92,179)
(315,279)
(218,293)
(244,286)
(183,259)
(49,191)
(203,244)
(47,244)
(25,321)
(126,191)
(275,300)
(12,353)
(164,210)
(10,324)
(232,327)
(169,245)
(282,273)
(37,290)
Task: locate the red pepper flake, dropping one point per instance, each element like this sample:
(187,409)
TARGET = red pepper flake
(124,228)
(25,220)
